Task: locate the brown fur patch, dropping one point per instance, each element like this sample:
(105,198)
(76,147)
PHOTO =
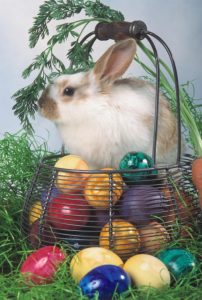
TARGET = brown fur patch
(48,107)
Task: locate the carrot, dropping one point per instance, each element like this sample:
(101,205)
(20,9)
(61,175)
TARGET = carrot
(197,176)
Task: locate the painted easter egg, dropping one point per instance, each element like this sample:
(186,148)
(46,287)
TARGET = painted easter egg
(70,180)
(68,212)
(153,237)
(105,281)
(90,258)
(123,238)
(99,188)
(178,261)
(147,270)
(139,162)
(35,212)
(142,203)
(40,266)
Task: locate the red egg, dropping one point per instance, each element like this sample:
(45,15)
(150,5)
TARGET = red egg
(68,212)
(41,266)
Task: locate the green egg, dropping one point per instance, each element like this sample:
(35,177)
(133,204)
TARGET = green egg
(139,162)
(178,261)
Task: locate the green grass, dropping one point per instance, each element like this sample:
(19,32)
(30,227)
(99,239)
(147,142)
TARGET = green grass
(19,156)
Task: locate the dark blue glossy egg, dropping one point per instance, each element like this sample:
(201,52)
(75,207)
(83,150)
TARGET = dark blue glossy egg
(105,281)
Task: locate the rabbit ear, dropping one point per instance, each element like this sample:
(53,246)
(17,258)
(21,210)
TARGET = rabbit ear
(115,61)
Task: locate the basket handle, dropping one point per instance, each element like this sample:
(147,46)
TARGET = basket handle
(120,30)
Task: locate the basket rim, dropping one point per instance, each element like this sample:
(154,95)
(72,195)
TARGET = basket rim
(183,161)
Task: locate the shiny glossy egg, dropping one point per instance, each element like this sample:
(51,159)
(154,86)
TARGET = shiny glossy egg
(123,238)
(105,281)
(140,163)
(142,203)
(35,212)
(90,258)
(40,266)
(68,212)
(99,188)
(72,178)
(147,270)
(178,261)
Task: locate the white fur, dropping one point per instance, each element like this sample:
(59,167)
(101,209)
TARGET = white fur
(103,124)
(106,127)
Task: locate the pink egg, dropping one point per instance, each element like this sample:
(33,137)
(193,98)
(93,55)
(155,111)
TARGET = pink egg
(41,266)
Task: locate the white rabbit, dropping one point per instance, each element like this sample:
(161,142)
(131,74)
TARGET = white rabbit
(101,117)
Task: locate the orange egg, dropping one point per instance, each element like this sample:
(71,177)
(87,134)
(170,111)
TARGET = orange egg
(124,240)
(153,237)
(69,181)
(99,188)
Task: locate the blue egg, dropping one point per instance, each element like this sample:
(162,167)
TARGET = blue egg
(105,281)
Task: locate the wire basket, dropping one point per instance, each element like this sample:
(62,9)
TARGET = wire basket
(100,207)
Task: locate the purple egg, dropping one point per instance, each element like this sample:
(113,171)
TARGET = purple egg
(47,195)
(102,217)
(142,203)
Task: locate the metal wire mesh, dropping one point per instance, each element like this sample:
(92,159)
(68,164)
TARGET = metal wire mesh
(97,208)
(111,208)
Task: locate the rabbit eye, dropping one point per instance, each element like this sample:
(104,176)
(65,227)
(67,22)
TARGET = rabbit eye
(69,91)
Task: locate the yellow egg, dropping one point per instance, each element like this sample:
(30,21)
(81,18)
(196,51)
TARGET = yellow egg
(125,240)
(153,237)
(35,212)
(71,181)
(99,188)
(147,270)
(90,258)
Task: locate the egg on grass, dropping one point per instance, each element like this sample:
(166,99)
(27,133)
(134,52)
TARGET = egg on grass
(90,258)
(41,266)
(147,270)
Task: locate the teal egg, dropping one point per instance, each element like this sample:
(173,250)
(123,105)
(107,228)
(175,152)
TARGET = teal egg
(139,162)
(178,261)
